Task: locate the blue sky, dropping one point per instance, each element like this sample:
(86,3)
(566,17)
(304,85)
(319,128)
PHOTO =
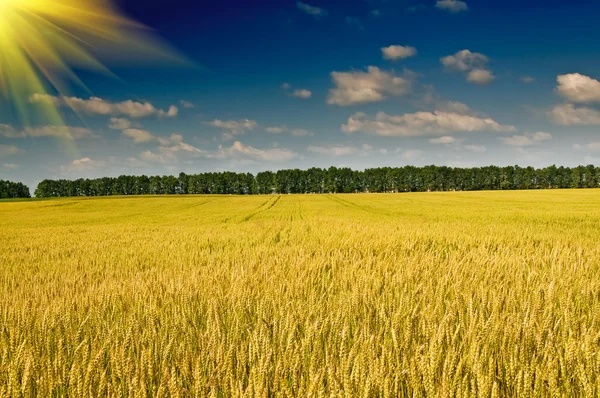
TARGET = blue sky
(286,84)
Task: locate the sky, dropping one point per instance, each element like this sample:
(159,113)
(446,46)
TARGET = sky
(289,84)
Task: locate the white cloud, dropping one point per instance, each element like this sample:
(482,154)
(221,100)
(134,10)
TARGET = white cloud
(471,62)
(443,140)
(453,6)
(527,139)
(187,104)
(430,99)
(567,115)
(594,146)
(480,76)
(412,154)
(138,135)
(59,131)
(454,107)
(7,130)
(421,123)
(340,150)
(398,52)
(312,10)
(119,124)
(240,150)
(527,79)
(455,143)
(302,93)
(237,126)
(135,163)
(233,127)
(364,87)
(333,150)
(150,156)
(168,145)
(83,164)
(578,88)
(98,106)
(7,150)
(286,86)
(541,136)
(295,132)
(169,148)
(173,145)
(174,140)
(75,133)
(10,166)
(476,148)
(301,132)
(276,130)
(172,112)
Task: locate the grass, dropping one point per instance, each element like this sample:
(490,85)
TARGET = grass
(433,294)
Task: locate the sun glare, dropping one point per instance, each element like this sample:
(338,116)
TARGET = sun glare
(43,41)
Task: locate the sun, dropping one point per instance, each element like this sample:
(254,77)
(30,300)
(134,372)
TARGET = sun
(42,42)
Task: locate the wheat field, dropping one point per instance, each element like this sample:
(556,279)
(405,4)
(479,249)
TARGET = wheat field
(458,294)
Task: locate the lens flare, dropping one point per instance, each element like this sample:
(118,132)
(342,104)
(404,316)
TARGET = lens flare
(43,42)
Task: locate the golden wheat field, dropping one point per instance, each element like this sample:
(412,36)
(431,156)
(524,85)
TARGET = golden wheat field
(468,294)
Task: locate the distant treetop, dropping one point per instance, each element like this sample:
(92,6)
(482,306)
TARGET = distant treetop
(13,190)
(331,180)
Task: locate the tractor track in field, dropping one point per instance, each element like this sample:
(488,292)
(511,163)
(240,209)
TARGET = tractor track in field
(62,204)
(258,209)
(198,204)
(350,204)
(262,209)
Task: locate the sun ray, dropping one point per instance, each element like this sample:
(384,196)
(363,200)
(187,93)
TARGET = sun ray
(41,41)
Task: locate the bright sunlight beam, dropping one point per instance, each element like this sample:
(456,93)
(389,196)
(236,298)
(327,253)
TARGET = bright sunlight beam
(43,41)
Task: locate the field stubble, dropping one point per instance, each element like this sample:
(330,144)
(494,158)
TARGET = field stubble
(439,294)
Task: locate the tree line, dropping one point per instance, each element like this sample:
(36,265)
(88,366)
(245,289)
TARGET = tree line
(332,180)
(13,190)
